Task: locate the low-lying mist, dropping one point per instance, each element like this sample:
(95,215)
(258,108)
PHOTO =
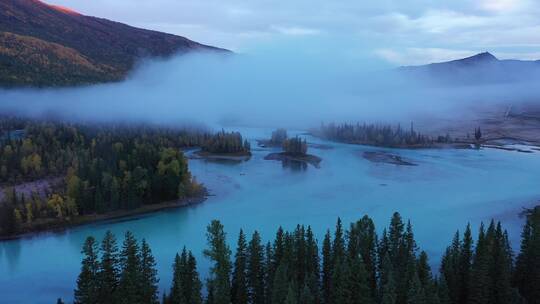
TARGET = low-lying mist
(296,89)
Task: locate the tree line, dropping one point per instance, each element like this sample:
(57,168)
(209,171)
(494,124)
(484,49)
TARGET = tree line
(352,265)
(226,143)
(378,135)
(278,137)
(295,145)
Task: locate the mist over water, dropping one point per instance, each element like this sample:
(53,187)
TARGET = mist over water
(298,86)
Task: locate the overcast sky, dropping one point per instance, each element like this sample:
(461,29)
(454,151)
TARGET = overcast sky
(399,32)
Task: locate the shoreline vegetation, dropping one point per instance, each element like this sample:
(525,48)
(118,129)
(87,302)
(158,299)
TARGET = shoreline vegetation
(226,146)
(294,150)
(52,225)
(387,136)
(351,264)
(56,174)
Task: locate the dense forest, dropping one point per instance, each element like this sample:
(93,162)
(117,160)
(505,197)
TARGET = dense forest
(378,135)
(354,265)
(226,143)
(54,172)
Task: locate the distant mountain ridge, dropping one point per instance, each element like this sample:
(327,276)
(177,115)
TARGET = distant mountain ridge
(47,45)
(481,68)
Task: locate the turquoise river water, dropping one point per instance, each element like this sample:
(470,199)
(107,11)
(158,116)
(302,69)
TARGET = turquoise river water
(446,190)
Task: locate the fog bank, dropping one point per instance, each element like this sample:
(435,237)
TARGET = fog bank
(290,87)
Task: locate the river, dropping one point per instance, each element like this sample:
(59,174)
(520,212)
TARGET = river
(447,189)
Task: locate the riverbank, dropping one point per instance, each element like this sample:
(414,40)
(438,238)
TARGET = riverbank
(386,158)
(241,156)
(55,225)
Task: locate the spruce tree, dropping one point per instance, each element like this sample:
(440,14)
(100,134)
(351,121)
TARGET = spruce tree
(186,285)
(527,272)
(291,295)
(416,292)
(109,269)
(387,292)
(338,246)
(465,265)
(178,288)
(194,285)
(395,236)
(306,296)
(312,265)
(368,248)
(239,291)
(280,286)
(502,268)
(480,281)
(340,292)
(442,291)
(358,282)
(88,281)
(268,272)
(129,287)
(149,280)
(255,270)
(220,254)
(327,268)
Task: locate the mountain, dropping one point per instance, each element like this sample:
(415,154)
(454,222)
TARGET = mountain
(483,68)
(47,45)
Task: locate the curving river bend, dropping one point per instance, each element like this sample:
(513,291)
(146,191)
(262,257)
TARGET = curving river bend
(446,190)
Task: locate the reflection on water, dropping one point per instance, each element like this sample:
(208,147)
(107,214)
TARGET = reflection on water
(10,253)
(294,165)
(446,190)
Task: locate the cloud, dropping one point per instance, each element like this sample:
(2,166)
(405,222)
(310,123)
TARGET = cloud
(295,84)
(295,31)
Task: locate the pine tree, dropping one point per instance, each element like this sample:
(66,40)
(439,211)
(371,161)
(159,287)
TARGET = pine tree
(442,291)
(416,293)
(387,282)
(186,286)
(312,266)
(129,287)
(306,296)
(338,246)
(501,269)
(149,280)
(527,272)
(239,291)
(194,285)
(178,288)
(395,235)
(268,274)
(358,283)
(108,272)
(291,295)
(479,290)
(450,268)
(280,285)
(220,254)
(340,292)
(368,249)
(327,268)
(255,270)
(465,265)
(88,281)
